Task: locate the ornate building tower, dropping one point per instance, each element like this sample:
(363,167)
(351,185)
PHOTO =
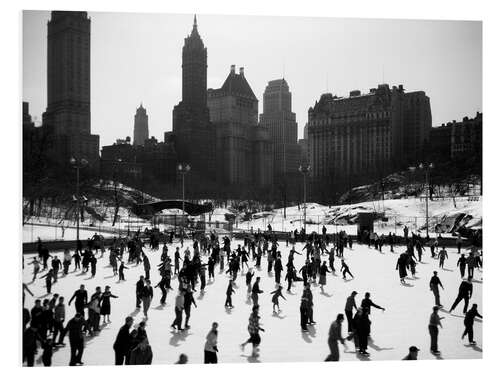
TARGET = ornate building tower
(192,131)
(141,131)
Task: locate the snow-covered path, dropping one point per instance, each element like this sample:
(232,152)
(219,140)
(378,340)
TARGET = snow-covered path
(403,324)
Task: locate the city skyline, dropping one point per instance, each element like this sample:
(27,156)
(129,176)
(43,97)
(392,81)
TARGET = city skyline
(454,92)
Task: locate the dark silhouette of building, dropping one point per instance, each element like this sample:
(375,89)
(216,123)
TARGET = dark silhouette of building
(467,138)
(192,131)
(141,130)
(243,148)
(352,140)
(278,117)
(67,117)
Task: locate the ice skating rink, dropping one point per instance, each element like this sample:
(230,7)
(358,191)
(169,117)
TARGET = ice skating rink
(403,324)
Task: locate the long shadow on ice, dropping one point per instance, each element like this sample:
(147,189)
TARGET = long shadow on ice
(177,337)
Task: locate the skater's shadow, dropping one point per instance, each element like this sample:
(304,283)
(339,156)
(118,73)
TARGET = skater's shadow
(424,263)
(45,295)
(416,278)
(109,277)
(447,269)
(249,300)
(347,280)
(372,345)
(229,310)
(160,307)
(177,337)
(477,281)
(251,358)
(291,293)
(277,315)
(306,336)
(326,294)
(89,278)
(202,294)
(474,347)
(135,312)
(408,285)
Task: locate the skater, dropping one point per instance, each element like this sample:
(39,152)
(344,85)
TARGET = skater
(442,255)
(146,297)
(188,301)
(248,280)
(49,279)
(75,328)
(162,284)
(345,270)
(122,345)
(146,265)
(323,270)
(461,263)
(469,323)
(36,268)
(434,323)
(211,345)
(179,306)
(412,354)
(349,306)
(464,293)
(254,329)
(401,267)
(121,274)
(434,285)
(106,303)
(139,286)
(256,291)
(275,299)
(80,296)
(142,353)
(367,304)
(335,335)
(58,327)
(363,328)
(229,292)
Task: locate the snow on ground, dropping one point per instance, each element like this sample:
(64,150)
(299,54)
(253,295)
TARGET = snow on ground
(403,324)
(400,212)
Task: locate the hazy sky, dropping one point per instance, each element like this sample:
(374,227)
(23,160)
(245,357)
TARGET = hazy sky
(137,57)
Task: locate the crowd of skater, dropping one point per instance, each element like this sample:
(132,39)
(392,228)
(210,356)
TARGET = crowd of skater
(183,270)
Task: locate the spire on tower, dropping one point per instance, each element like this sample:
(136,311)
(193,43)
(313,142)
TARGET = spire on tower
(195,24)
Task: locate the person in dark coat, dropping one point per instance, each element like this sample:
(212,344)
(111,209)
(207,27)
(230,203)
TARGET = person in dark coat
(335,335)
(469,323)
(434,285)
(122,345)
(256,291)
(401,267)
(349,306)
(106,303)
(461,263)
(75,329)
(80,296)
(368,304)
(30,339)
(464,293)
(141,354)
(139,286)
(363,330)
(229,292)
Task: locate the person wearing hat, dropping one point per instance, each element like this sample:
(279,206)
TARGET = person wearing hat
(464,293)
(335,335)
(183,359)
(123,342)
(75,329)
(349,305)
(434,285)
(469,323)
(434,323)
(412,354)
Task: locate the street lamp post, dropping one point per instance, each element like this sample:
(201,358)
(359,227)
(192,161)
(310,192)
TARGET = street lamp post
(426,168)
(304,170)
(77,164)
(183,169)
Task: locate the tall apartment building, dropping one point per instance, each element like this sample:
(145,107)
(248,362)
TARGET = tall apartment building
(278,117)
(243,148)
(367,135)
(141,129)
(67,117)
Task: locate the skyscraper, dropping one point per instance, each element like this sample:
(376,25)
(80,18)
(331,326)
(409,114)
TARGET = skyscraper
(192,131)
(67,117)
(280,120)
(141,130)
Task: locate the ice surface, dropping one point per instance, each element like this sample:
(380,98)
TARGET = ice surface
(403,324)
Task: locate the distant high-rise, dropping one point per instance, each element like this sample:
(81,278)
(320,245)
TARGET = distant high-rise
(280,120)
(191,128)
(67,117)
(141,130)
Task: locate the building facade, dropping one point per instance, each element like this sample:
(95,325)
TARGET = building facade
(193,133)
(141,129)
(67,117)
(243,147)
(365,136)
(467,138)
(279,119)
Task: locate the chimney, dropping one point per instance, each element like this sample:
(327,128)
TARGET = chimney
(233,67)
(242,71)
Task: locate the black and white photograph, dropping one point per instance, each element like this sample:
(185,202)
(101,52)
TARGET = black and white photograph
(204,189)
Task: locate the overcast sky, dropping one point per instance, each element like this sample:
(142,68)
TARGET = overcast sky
(137,58)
